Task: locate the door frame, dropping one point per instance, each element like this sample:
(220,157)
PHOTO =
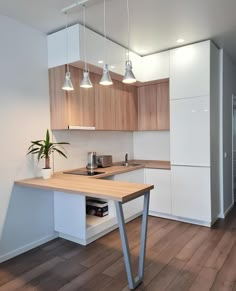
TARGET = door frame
(233,127)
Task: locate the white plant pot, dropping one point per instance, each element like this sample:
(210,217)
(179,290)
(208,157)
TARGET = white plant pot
(46,173)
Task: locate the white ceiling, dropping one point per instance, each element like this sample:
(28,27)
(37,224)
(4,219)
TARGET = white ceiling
(155,24)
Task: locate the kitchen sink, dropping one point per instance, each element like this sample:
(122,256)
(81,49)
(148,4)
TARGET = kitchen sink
(131,165)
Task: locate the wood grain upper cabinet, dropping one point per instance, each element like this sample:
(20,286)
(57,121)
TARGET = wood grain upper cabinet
(104,105)
(163,106)
(58,98)
(153,106)
(80,101)
(116,106)
(147,107)
(126,106)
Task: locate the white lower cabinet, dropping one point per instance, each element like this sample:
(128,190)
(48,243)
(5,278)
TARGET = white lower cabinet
(191,193)
(160,198)
(135,207)
(72,223)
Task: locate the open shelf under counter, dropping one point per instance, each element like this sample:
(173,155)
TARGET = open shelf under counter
(92,220)
(98,226)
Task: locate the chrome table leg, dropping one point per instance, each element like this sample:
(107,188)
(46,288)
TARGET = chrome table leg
(133,281)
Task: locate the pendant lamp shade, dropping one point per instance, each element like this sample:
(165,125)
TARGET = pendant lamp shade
(106,79)
(86,83)
(68,86)
(129,77)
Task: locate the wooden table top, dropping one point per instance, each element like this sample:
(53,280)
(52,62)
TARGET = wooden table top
(106,189)
(94,187)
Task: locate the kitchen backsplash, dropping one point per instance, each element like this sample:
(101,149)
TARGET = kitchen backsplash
(151,145)
(113,143)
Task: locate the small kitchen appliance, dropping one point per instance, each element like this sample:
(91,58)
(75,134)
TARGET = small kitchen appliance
(92,161)
(104,161)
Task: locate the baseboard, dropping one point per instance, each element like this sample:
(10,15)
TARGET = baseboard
(228,210)
(182,219)
(27,247)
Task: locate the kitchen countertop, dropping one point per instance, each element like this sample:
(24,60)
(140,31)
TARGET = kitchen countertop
(106,189)
(114,190)
(153,164)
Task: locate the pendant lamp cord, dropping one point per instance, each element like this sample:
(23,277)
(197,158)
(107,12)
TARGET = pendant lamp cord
(85,57)
(67,46)
(105,33)
(128,26)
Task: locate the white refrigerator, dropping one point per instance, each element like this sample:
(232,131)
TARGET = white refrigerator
(190,158)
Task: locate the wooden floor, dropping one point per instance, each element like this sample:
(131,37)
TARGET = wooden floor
(179,257)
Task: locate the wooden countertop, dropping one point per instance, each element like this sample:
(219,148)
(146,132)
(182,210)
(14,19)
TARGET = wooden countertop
(93,187)
(112,190)
(154,164)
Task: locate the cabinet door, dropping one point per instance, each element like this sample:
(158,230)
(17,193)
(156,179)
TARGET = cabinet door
(163,106)
(147,107)
(154,107)
(135,206)
(105,99)
(126,106)
(160,198)
(190,131)
(190,71)
(58,98)
(80,101)
(191,196)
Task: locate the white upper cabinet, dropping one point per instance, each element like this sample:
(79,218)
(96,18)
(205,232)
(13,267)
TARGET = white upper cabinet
(156,66)
(190,71)
(153,67)
(95,52)
(57,47)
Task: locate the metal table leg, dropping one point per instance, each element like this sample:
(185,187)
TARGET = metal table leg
(133,281)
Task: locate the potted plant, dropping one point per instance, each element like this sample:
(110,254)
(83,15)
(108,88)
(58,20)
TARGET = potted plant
(43,149)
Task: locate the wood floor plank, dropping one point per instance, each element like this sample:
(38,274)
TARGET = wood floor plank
(179,257)
(217,258)
(57,276)
(156,262)
(227,274)
(191,247)
(90,274)
(161,230)
(166,276)
(204,280)
(191,269)
(28,276)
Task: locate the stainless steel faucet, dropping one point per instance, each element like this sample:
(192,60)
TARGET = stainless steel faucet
(126,160)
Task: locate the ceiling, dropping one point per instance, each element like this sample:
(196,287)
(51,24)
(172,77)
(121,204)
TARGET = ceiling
(155,25)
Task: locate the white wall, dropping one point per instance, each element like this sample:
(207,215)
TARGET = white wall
(152,145)
(26,215)
(116,144)
(228,88)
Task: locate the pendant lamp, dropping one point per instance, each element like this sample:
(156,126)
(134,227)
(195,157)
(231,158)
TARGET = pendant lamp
(68,86)
(129,75)
(106,79)
(85,83)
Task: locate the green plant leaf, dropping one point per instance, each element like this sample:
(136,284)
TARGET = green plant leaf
(33,151)
(40,153)
(60,152)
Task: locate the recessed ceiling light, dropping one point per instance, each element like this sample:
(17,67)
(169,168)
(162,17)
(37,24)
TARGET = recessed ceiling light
(180,40)
(100,62)
(112,67)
